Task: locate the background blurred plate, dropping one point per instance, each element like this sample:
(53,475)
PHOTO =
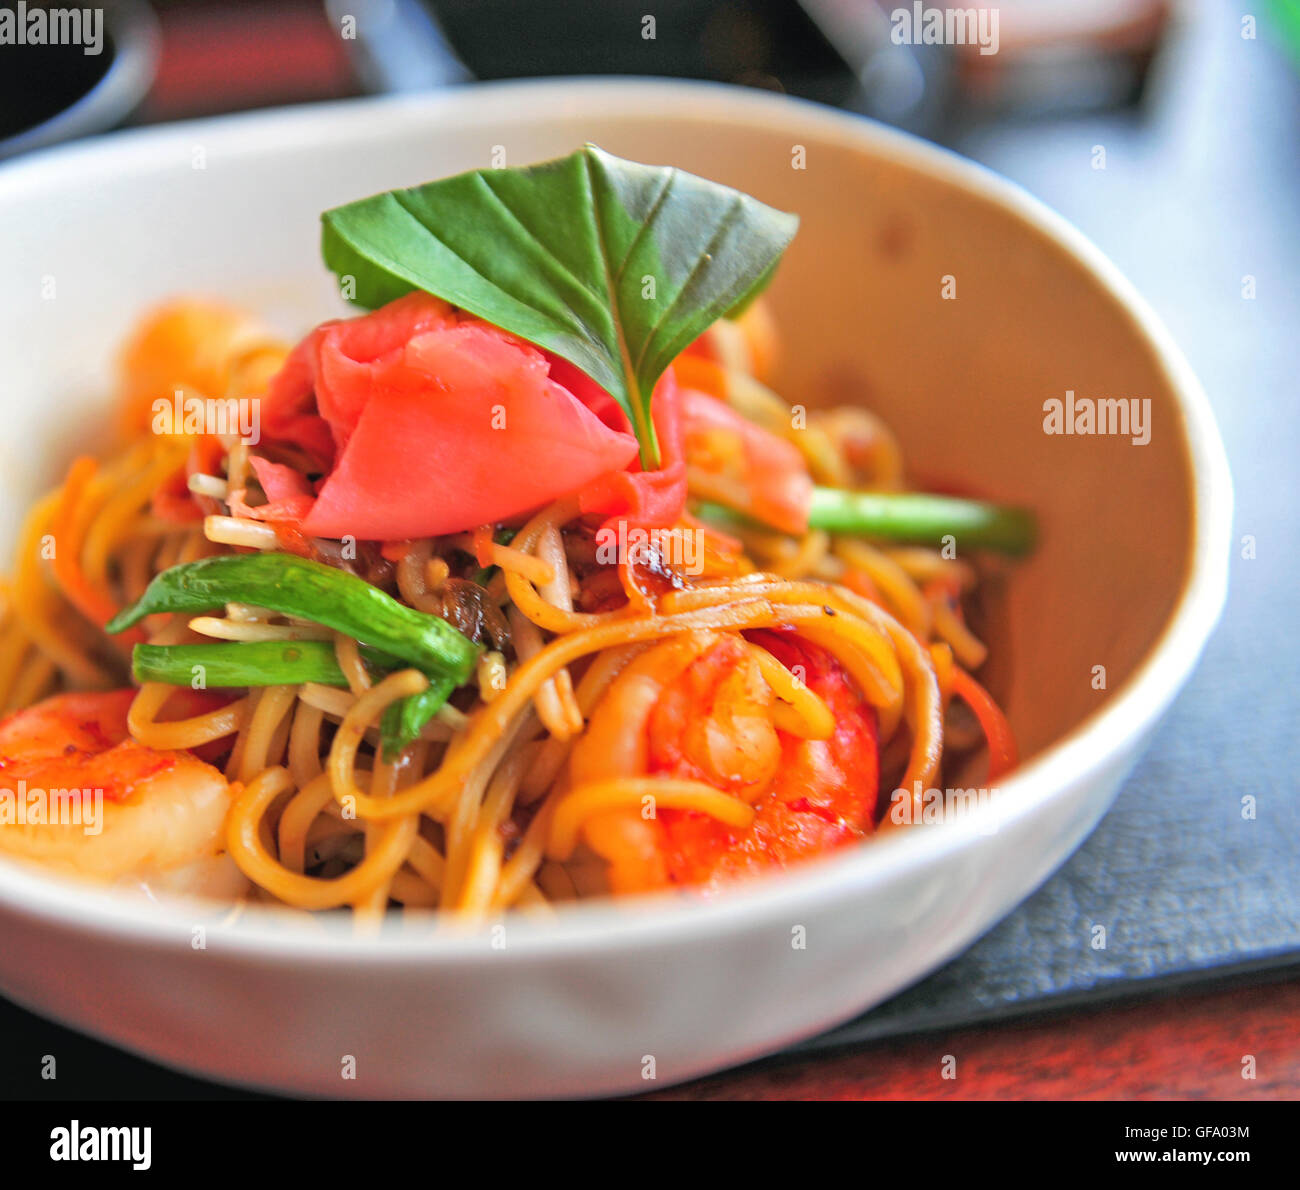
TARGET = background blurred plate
(53,93)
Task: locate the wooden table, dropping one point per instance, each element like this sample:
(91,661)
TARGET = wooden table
(1186,1045)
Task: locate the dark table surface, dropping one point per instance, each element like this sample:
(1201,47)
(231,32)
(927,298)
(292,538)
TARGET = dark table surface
(1199,192)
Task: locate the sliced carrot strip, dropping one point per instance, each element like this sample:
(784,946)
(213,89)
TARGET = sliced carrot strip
(94,604)
(1002,744)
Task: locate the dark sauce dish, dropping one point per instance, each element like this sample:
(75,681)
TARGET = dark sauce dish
(57,92)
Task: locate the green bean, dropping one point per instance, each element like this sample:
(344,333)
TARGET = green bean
(916,517)
(249,663)
(310,590)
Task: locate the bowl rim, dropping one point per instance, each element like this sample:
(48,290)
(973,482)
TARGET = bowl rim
(267,935)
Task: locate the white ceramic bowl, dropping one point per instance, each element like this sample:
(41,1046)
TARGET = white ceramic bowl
(1131,575)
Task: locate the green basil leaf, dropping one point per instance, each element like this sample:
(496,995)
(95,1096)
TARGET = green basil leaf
(612,265)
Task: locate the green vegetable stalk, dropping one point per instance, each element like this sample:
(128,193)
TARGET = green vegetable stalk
(912,517)
(394,634)
(250,663)
(924,519)
(405,719)
(312,591)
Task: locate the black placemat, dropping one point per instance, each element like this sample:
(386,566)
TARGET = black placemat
(1197,194)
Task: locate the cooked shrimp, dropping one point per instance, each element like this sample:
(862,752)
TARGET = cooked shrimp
(699,708)
(206,347)
(97,804)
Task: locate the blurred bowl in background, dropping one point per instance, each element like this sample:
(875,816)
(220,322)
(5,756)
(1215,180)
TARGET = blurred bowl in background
(53,93)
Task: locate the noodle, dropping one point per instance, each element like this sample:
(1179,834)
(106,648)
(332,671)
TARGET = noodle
(258,736)
(348,654)
(244,841)
(589,800)
(304,742)
(232,530)
(182,733)
(233,629)
(491,675)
